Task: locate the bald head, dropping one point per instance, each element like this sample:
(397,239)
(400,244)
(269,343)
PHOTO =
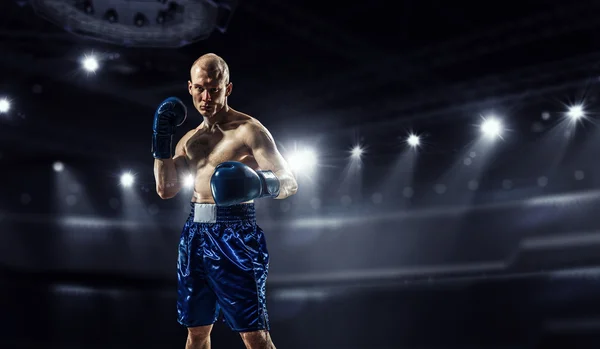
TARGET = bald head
(209,84)
(215,67)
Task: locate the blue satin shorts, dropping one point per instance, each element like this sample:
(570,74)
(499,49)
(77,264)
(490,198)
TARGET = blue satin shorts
(222,267)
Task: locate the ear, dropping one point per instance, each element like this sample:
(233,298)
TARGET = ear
(228,89)
(190,87)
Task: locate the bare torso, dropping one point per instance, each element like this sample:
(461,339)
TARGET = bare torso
(206,148)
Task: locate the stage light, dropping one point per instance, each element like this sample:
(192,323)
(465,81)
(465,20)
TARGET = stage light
(132,23)
(90,63)
(413,140)
(576,112)
(303,160)
(4,105)
(545,116)
(111,16)
(357,152)
(161,17)
(58,166)
(140,20)
(492,128)
(188,181)
(127,179)
(88,7)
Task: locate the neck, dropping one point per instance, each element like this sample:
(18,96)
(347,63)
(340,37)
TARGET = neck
(219,118)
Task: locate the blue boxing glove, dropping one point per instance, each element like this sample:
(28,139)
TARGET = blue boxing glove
(233,183)
(170,114)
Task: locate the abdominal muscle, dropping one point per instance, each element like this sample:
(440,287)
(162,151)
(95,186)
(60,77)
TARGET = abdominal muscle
(202,193)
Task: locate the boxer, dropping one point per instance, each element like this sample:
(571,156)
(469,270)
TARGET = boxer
(223,259)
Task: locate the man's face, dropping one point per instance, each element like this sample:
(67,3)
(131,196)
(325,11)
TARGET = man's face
(209,92)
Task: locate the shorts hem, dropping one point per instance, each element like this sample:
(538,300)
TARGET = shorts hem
(195,324)
(251,329)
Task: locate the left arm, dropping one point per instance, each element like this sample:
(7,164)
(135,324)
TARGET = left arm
(259,140)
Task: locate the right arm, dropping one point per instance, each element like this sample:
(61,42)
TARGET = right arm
(169,173)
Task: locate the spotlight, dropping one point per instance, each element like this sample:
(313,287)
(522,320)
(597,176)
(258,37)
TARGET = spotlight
(127,180)
(140,20)
(576,112)
(491,127)
(90,63)
(413,140)
(161,18)
(111,16)
(4,105)
(303,160)
(58,166)
(86,6)
(356,152)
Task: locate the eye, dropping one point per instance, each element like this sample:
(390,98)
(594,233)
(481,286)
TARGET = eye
(215,90)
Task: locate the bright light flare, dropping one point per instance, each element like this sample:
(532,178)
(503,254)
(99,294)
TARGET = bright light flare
(90,63)
(413,140)
(492,128)
(4,105)
(576,112)
(127,179)
(188,181)
(58,166)
(357,152)
(303,160)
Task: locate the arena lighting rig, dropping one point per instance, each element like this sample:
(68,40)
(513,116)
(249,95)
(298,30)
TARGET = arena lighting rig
(139,23)
(491,128)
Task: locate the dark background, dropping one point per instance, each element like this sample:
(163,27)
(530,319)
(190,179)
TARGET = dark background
(460,243)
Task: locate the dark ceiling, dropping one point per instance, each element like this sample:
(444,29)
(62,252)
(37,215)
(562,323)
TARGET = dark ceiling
(301,67)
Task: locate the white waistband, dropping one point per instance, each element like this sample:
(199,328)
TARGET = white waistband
(205,213)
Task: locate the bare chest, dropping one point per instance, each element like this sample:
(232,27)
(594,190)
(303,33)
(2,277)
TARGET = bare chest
(211,149)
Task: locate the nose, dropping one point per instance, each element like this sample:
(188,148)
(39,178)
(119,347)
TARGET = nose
(205,95)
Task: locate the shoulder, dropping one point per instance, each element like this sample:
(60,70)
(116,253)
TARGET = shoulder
(250,124)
